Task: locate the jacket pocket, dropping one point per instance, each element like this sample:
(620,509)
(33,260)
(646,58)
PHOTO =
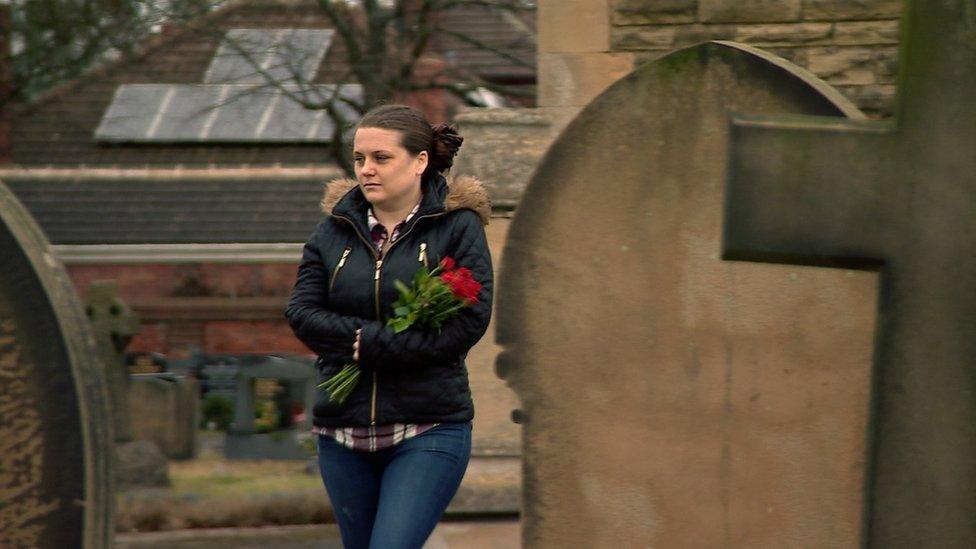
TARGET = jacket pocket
(338,267)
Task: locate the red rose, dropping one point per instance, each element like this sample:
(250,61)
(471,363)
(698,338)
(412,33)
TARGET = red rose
(447,264)
(462,284)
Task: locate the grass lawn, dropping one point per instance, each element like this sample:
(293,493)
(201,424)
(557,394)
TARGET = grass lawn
(214,477)
(211,492)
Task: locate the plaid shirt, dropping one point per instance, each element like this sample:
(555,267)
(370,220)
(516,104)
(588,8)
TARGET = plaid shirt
(377,437)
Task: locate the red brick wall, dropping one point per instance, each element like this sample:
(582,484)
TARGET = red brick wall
(219,307)
(258,337)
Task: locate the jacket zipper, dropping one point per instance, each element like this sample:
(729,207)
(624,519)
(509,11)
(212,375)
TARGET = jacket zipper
(376,283)
(342,261)
(376,293)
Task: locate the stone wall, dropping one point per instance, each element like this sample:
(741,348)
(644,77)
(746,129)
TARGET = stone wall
(501,148)
(852,44)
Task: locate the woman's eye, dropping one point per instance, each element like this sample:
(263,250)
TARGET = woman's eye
(358,160)
(382,158)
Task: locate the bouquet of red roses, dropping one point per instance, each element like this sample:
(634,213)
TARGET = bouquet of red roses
(432,298)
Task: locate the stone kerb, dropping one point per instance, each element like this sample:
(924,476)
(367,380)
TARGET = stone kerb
(670,398)
(55,424)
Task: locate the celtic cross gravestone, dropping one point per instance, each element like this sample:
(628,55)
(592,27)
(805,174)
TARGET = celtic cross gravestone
(901,198)
(114,325)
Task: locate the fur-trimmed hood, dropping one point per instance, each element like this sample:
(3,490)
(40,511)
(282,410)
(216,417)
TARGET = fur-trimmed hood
(464,191)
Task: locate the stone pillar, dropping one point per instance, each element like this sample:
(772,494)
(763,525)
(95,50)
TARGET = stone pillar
(575,60)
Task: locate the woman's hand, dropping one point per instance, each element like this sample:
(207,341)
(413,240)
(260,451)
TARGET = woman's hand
(355,345)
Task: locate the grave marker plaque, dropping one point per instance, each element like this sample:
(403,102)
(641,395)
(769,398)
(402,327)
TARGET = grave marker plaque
(899,197)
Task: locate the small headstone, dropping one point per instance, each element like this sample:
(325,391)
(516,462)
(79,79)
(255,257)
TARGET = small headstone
(146,363)
(165,409)
(140,463)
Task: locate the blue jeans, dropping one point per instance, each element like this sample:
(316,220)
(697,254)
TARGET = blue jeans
(393,498)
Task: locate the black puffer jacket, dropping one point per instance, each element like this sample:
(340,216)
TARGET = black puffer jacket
(417,376)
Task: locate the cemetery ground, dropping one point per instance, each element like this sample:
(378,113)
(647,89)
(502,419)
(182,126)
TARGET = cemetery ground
(214,502)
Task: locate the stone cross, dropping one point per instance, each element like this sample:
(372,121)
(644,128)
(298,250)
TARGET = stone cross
(114,325)
(900,198)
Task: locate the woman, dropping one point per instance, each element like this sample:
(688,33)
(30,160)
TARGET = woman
(393,454)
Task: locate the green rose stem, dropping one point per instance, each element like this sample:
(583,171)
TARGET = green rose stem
(341,385)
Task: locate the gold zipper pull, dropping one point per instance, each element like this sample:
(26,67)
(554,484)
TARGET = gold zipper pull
(379,263)
(338,267)
(423,253)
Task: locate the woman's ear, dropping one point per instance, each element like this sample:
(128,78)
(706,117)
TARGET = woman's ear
(422,160)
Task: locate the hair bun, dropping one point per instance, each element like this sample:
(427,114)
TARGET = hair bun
(447,141)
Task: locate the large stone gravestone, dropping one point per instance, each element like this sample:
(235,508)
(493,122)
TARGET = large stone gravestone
(55,427)
(672,399)
(899,197)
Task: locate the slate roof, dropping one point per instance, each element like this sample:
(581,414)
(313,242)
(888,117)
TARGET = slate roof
(58,129)
(148,210)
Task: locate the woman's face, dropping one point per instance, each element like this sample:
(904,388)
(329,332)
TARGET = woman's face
(387,173)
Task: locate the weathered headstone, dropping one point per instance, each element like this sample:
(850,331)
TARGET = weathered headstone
(55,430)
(901,198)
(672,399)
(165,409)
(114,325)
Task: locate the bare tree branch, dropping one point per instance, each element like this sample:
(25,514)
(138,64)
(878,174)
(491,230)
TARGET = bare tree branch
(421,42)
(485,46)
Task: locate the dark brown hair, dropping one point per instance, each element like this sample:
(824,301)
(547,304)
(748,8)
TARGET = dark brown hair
(416,134)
